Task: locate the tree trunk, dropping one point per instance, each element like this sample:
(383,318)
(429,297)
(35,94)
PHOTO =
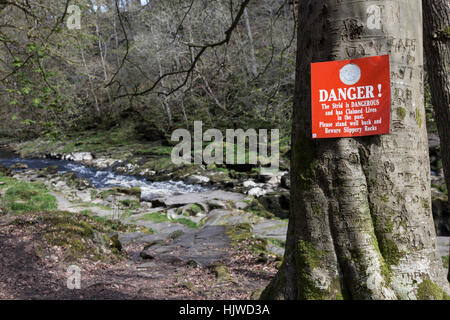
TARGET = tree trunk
(165,100)
(91,85)
(250,42)
(361,225)
(436,15)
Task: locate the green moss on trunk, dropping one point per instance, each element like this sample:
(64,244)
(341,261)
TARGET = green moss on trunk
(428,290)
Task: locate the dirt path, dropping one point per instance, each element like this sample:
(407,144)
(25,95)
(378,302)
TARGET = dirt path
(26,275)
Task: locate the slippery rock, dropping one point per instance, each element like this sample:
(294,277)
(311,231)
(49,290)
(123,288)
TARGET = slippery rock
(79,157)
(103,163)
(49,170)
(197,179)
(272,178)
(249,184)
(257,192)
(202,197)
(80,184)
(204,246)
(192,210)
(229,217)
(19,166)
(277,203)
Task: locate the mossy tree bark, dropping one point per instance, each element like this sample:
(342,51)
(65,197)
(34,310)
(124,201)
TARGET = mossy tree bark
(361,225)
(436,14)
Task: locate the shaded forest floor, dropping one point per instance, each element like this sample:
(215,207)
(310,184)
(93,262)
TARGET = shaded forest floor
(33,268)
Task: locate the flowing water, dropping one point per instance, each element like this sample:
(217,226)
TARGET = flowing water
(103,178)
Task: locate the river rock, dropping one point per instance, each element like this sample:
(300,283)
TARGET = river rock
(197,179)
(202,197)
(79,157)
(257,192)
(49,170)
(192,210)
(204,246)
(218,204)
(103,163)
(249,184)
(272,178)
(271,229)
(277,202)
(222,180)
(229,217)
(19,166)
(81,184)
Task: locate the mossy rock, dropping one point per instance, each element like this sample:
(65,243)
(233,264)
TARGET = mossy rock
(191,210)
(49,170)
(81,237)
(176,234)
(277,203)
(221,272)
(134,191)
(258,209)
(428,290)
(243,233)
(130,204)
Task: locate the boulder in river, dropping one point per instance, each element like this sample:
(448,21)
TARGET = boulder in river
(49,170)
(19,166)
(257,192)
(79,157)
(197,179)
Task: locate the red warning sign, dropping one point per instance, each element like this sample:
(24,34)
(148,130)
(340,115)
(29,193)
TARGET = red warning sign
(351,98)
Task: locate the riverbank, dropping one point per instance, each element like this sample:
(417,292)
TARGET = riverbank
(186,247)
(233,219)
(124,152)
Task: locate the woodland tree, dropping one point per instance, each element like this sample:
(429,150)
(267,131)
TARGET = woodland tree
(436,14)
(361,225)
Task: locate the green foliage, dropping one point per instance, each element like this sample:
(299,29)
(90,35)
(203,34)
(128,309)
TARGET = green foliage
(130,204)
(54,81)
(23,197)
(258,209)
(428,290)
(445,262)
(157,217)
(187,222)
(175,234)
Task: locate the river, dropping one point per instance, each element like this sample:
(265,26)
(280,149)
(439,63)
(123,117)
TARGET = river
(104,178)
